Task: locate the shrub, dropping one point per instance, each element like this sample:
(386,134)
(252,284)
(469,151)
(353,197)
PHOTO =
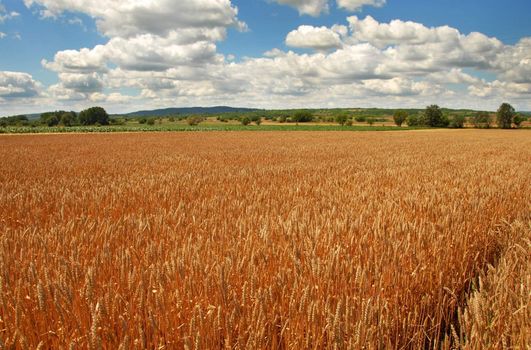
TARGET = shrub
(194,120)
(142,120)
(341,119)
(256,119)
(151,121)
(245,121)
(302,117)
(370,121)
(360,119)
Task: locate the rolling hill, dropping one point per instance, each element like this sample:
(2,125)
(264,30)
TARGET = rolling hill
(188,110)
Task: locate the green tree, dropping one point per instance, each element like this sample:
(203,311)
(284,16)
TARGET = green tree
(434,117)
(151,121)
(416,120)
(458,121)
(15,120)
(341,119)
(194,120)
(51,118)
(400,117)
(245,121)
(482,120)
(94,115)
(256,119)
(68,118)
(370,121)
(505,116)
(302,117)
(518,120)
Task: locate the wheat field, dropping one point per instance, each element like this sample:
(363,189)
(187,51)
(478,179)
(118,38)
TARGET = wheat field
(242,240)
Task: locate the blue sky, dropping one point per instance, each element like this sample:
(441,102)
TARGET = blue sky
(263,53)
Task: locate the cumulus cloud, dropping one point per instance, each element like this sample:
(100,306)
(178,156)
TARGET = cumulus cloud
(130,18)
(74,61)
(17,85)
(2,35)
(317,38)
(144,36)
(416,48)
(174,60)
(81,83)
(514,63)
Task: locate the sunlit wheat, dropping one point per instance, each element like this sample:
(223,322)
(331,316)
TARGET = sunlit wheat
(265,240)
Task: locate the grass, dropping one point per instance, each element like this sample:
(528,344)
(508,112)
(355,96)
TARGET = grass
(307,240)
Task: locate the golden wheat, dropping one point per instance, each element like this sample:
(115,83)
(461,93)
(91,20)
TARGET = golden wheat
(265,240)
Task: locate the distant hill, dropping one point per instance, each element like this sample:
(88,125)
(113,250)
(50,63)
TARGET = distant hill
(188,110)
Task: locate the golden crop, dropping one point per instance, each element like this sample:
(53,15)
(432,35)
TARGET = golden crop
(301,240)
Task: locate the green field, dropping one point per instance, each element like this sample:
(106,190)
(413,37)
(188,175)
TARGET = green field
(201,127)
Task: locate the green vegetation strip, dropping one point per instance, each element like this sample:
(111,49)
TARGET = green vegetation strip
(202,127)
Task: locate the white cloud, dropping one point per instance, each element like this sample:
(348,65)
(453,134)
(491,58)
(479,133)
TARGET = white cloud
(399,87)
(5,15)
(2,35)
(501,89)
(317,38)
(130,18)
(514,63)
(318,7)
(416,48)
(452,76)
(356,5)
(175,61)
(81,83)
(307,7)
(84,60)
(17,85)
(144,36)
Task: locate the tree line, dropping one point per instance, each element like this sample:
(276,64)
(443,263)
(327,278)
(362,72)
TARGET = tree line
(506,118)
(90,116)
(433,116)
